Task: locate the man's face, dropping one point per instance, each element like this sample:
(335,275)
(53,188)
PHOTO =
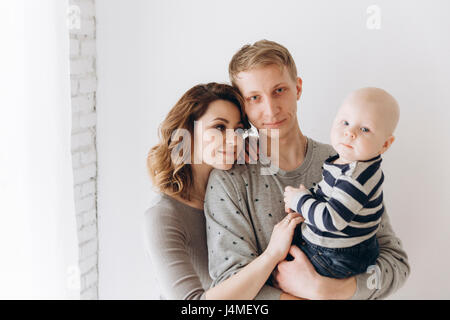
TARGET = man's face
(271,97)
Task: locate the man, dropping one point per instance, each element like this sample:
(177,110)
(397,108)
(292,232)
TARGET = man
(243,204)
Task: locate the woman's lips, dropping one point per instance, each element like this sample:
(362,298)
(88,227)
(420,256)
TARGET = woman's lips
(274,124)
(227,154)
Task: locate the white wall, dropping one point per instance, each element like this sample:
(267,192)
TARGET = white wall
(150,52)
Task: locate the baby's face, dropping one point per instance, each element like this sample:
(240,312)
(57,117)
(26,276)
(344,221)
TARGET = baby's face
(361,130)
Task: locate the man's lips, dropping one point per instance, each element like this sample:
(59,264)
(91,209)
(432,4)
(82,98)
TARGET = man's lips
(273,124)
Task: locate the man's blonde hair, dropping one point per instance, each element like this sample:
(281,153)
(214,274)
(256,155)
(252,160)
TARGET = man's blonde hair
(261,53)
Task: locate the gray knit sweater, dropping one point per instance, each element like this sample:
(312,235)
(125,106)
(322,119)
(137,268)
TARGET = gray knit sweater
(175,240)
(242,206)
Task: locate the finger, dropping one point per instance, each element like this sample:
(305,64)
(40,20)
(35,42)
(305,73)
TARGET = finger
(274,280)
(296,252)
(289,217)
(294,222)
(293,214)
(250,156)
(247,159)
(253,148)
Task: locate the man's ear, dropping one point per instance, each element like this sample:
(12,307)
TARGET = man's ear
(299,87)
(387,144)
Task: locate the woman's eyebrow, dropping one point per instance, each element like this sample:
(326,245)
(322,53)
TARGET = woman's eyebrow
(222,119)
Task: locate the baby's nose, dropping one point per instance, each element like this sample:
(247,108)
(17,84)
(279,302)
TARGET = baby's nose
(350,133)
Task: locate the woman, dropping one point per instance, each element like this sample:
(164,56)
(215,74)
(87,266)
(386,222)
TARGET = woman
(179,168)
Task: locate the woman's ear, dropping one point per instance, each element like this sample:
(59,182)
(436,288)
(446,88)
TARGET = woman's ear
(387,144)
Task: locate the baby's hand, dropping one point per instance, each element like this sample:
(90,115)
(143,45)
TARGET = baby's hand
(289,194)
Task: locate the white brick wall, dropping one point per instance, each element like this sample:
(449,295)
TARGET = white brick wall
(84,153)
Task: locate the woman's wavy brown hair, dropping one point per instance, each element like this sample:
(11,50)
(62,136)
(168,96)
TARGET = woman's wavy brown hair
(176,178)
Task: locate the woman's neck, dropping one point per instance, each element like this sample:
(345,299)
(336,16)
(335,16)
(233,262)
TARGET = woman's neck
(200,175)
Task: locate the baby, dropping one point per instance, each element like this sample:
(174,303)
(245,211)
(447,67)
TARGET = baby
(342,213)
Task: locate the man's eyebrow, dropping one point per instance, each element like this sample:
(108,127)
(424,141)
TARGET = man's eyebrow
(251,93)
(280,84)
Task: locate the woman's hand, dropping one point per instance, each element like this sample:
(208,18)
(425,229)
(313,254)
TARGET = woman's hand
(281,238)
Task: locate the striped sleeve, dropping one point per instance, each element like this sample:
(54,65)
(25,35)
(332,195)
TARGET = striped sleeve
(347,196)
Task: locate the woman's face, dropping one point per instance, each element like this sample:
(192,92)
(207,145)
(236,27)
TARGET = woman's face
(211,145)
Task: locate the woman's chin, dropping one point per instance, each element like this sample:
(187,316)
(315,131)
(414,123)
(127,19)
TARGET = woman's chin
(223,166)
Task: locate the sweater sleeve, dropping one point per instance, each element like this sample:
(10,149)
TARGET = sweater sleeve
(346,200)
(391,270)
(165,243)
(230,235)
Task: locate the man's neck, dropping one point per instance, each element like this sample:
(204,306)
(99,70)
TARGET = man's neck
(291,150)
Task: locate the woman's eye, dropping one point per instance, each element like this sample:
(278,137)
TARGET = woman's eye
(363,129)
(253,98)
(220,127)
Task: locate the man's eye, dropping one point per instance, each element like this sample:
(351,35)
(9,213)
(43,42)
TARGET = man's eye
(364,129)
(279,90)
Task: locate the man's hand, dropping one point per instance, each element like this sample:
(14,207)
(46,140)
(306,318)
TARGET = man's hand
(297,277)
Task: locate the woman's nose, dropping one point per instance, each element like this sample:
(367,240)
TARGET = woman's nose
(230,137)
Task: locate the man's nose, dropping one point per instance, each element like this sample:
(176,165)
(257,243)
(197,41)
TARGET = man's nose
(271,108)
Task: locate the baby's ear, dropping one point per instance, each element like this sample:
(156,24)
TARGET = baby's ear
(387,144)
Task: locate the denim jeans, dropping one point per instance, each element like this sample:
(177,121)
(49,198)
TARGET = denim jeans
(339,262)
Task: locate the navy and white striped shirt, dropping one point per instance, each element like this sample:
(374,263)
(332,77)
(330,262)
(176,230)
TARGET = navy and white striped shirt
(345,208)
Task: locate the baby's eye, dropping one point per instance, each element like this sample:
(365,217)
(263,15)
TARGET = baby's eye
(345,123)
(364,129)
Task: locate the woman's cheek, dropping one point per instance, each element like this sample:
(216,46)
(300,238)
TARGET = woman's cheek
(212,142)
